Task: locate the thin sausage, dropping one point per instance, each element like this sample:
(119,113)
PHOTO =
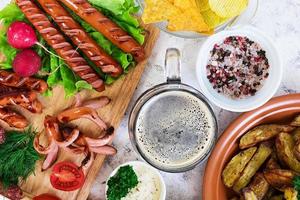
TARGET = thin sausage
(80,38)
(12,118)
(57,41)
(13,80)
(107,27)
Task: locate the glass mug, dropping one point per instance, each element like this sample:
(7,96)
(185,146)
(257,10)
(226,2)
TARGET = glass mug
(172,125)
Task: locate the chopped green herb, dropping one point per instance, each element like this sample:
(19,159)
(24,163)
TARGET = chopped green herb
(17,157)
(120,184)
(296,183)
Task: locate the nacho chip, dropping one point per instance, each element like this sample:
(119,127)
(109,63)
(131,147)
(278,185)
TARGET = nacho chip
(158,11)
(184,15)
(203,5)
(190,20)
(228,8)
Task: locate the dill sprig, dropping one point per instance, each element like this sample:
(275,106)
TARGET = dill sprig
(17,157)
(296,183)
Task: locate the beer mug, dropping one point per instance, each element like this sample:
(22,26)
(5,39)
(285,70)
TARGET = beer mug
(172,125)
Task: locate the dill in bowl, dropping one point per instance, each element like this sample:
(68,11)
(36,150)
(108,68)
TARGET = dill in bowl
(120,184)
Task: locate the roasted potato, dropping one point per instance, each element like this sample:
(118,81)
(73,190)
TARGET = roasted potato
(280,178)
(277,197)
(234,168)
(296,137)
(272,163)
(248,194)
(285,151)
(259,185)
(261,155)
(262,133)
(296,121)
(296,134)
(290,194)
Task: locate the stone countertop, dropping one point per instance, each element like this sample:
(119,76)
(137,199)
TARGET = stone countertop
(279,19)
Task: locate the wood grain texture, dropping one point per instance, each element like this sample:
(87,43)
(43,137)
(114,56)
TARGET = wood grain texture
(120,93)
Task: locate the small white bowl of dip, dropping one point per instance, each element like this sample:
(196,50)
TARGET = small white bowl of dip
(151,185)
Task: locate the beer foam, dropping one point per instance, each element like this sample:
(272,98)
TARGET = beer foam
(175,129)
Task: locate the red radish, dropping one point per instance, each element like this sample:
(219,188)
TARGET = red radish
(21,36)
(27,63)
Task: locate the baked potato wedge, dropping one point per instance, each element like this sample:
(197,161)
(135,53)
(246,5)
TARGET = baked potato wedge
(277,197)
(262,133)
(296,121)
(234,168)
(261,155)
(280,178)
(272,163)
(259,185)
(290,194)
(248,194)
(285,150)
(296,137)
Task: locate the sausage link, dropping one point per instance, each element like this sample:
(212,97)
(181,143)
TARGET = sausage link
(57,41)
(12,118)
(25,99)
(107,27)
(80,38)
(13,80)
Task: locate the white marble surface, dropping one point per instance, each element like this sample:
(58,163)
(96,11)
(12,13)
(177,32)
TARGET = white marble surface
(278,18)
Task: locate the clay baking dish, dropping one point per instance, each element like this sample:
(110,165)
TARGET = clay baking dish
(278,109)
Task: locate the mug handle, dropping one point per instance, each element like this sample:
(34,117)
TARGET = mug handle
(173,65)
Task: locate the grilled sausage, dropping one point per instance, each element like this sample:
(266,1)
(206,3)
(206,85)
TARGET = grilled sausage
(80,38)
(12,118)
(25,99)
(13,80)
(107,27)
(57,41)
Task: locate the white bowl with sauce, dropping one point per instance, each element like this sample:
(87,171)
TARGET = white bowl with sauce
(270,85)
(144,172)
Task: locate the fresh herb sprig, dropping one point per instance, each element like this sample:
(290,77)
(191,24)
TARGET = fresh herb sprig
(120,184)
(17,157)
(296,184)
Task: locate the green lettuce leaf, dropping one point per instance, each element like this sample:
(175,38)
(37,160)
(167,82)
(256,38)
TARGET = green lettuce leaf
(8,15)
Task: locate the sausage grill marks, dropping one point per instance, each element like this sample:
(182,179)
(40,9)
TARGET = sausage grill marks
(19,91)
(80,38)
(13,118)
(57,41)
(13,80)
(107,27)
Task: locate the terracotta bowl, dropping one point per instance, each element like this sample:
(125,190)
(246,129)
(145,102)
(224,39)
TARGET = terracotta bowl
(278,109)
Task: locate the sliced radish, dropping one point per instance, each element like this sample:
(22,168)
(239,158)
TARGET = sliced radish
(21,35)
(26,63)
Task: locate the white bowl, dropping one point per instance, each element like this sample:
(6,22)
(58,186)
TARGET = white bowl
(139,163)
(270,86)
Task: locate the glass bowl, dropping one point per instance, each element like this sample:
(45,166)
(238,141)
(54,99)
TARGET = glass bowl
(244,18)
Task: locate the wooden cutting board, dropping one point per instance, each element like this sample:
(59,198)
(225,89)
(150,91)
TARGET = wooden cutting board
(120,93)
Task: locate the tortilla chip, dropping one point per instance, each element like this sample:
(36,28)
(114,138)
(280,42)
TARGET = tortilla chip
(158,11)
(203,5)
(190,20)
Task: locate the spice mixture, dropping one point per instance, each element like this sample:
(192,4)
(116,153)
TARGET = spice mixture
(237,67)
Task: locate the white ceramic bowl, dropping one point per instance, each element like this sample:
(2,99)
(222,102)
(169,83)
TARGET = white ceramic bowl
(270,85)
(139,163)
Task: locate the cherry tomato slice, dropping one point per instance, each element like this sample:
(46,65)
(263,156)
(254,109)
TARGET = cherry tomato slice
(66,176)
(46,197)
